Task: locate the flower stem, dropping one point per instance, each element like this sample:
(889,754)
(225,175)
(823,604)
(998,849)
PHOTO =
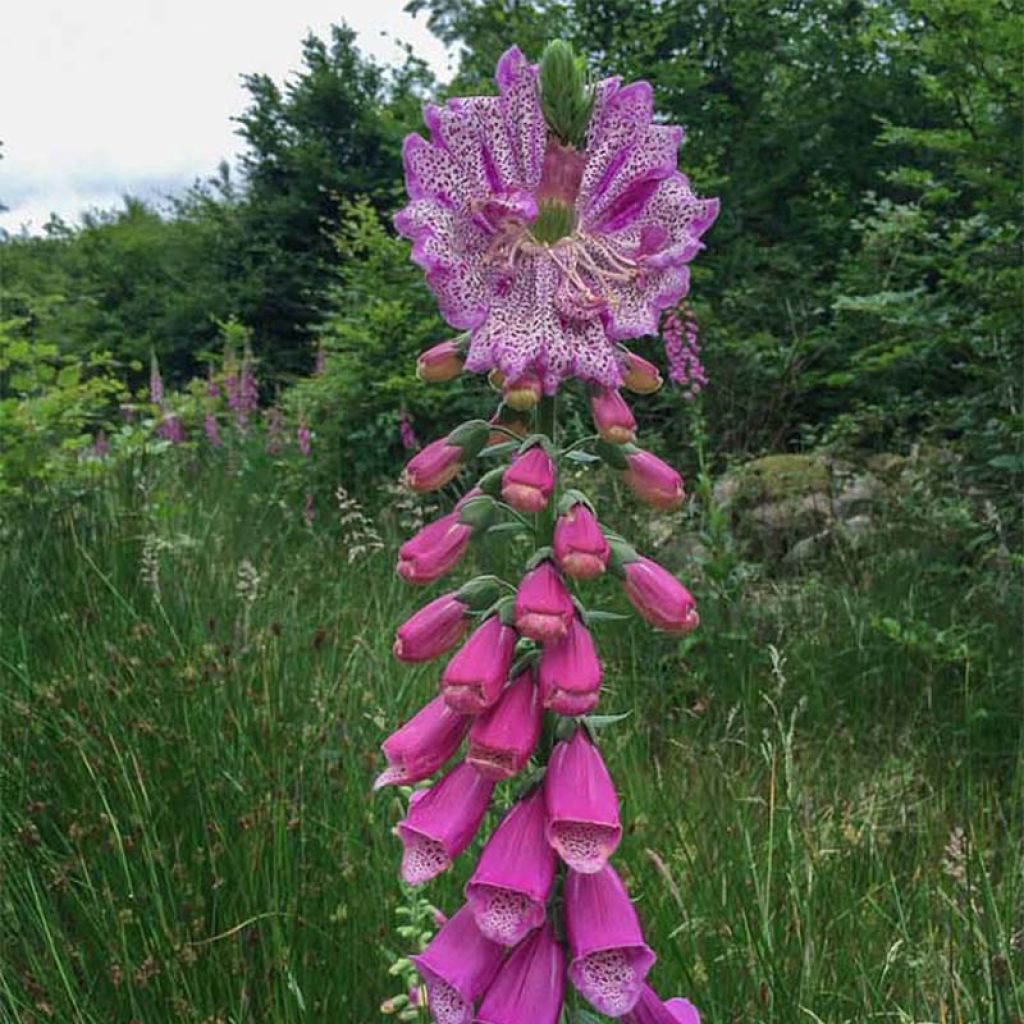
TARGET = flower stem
(547,422)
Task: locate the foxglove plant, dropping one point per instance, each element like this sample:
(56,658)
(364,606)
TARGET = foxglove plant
(553,226)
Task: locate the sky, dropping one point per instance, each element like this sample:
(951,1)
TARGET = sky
(99,98)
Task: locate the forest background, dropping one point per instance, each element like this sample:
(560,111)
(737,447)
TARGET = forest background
(195,626)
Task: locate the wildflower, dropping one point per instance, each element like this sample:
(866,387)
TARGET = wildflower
(528,482)
(432,630)
(303,437)
(457,966)
(440,363)
(437,464)
(212,390)
(170,428)
(649,1009)
(659,597)
(654,482)
(549,254)
(502,739)
(156,382)
(473,680)
(641,377)
(569,673)
(682,347)
(408,436)
(212,430)
(421,746)
(509,889)
(610,959)
(530,985)
(613,419)
(434,550)
(441,822)
(581,550)
(543,608)
(275,423)
(583,808)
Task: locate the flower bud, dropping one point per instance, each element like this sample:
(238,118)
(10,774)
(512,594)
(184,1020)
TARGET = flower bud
(523,393)
(528,482)
(473,680)
(432,630)
(613,418)
(543,607)
(641,377)
(421,746)
(581,550)
(654,482)
(569,673)
(433,551)
(439,462)
(503,737)
(440,363)
(659,597)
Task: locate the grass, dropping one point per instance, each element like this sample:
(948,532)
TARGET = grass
(822,789)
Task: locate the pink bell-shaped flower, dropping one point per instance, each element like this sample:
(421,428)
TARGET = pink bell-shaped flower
(659,597)
(473,680)
(641,377)
(654,482)
(613,419)
(581,550)
(441,822)
(528,482)
(530,985)
(433,466)
(458,966)
(435,550)
(431,631)
(610,959)
(649,1009)
(543,608)
(510,886)
(421,746)
(583,808)
(439,363)
(503,737)
(569,673)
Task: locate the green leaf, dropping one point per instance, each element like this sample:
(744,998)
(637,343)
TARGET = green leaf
(580,456)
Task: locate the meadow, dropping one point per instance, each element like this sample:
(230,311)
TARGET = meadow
(822,787)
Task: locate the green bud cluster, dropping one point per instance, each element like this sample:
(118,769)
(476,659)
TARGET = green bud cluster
(566,92)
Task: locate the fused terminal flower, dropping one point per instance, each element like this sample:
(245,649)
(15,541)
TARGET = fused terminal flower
(659,597)
(528,482)
(548,255)
(473,680)
(530,985)
(441,822)
(457,966)
(613,419)
(641,377)
(649,1009)
(440,363)
(581,550)
(569,673)
(431,631)
(543,608)
(583,808)
(509,888)
(610,959)
(435,550)
(503,737)
(423,745)
(653,481)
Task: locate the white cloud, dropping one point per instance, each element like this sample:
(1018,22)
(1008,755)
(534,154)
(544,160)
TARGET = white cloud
(102,98)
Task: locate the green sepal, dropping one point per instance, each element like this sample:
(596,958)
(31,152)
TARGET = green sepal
(585,458)
(470,436)
(566,728)
(532,440)
(622,553)
(509,528)
(505,609)
(615,454)
(573,497)
(595,615)
(504,448)
(490,482)
(479,593)
(524,661)
(478,511)
(540,555)
(595,723)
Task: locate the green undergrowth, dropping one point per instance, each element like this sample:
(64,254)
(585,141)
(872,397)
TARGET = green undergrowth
(821,788)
